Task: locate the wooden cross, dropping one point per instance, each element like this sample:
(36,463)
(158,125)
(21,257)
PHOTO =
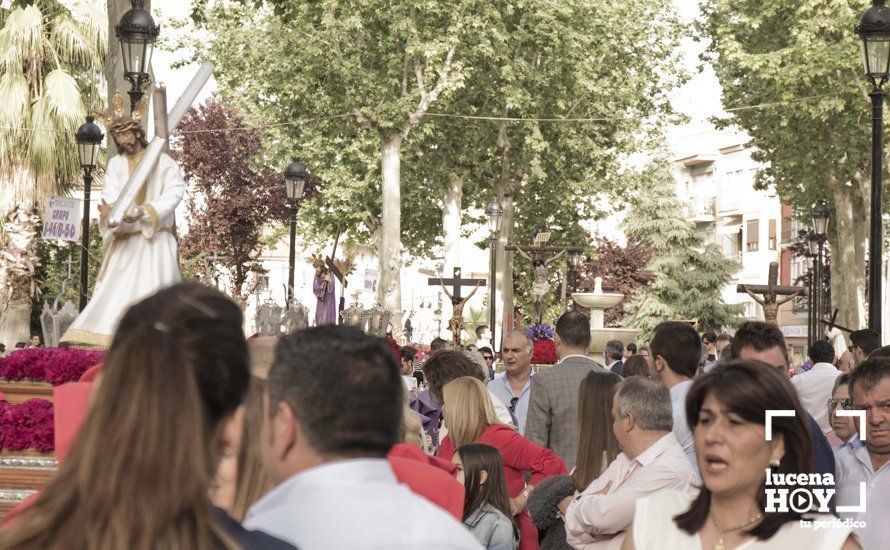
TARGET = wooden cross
(456,282)
(457,300)
(770,292)
(832,323)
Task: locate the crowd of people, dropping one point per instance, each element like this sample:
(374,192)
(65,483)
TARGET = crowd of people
(196,438)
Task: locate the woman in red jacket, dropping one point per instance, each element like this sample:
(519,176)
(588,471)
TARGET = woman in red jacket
(471,419)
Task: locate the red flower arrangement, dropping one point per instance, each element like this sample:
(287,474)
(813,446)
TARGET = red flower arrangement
(544,352)
(53,365)
(27,425)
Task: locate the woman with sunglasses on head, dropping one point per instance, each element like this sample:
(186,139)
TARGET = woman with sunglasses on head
(727,411)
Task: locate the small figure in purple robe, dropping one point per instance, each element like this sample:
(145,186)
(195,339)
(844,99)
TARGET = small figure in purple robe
(325,304)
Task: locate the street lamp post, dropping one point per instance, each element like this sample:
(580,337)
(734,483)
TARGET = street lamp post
(137,33)
(811,314)
(874,33)
(815,246)
(295,177)
(820,228)
(89,138)
(494,211)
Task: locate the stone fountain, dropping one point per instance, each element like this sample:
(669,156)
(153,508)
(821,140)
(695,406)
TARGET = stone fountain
(598,301)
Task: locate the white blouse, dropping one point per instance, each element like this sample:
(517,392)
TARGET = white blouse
(654,528)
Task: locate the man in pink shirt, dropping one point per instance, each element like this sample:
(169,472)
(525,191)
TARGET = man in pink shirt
(598,517)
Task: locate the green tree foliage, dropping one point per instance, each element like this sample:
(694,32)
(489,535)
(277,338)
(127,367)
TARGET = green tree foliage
(343,79)
(798,62)
(688,280)
(51,273)
(49,58)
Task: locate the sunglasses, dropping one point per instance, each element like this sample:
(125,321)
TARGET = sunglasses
(487,357)
(845,403)
(512,407)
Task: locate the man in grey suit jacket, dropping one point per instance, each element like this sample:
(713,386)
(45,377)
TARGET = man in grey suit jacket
(552,420)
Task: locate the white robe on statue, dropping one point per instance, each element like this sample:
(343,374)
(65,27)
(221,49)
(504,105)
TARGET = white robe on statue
(140,258)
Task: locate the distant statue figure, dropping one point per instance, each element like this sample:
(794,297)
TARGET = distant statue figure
(837,339)
(768,295)
(324,290)
(770,304)
(456,324)
(540,286)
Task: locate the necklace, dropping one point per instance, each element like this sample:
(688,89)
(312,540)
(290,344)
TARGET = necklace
(721,544)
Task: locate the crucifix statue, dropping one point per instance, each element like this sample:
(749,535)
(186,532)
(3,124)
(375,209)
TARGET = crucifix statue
(456,324)
(769,294)
(537,255)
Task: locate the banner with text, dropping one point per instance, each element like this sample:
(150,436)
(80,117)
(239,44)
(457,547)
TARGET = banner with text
(61,219)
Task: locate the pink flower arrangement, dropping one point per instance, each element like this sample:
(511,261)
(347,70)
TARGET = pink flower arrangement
(27,425)
(53,365)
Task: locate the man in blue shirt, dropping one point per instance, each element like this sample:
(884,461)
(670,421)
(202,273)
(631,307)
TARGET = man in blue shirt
(513,387)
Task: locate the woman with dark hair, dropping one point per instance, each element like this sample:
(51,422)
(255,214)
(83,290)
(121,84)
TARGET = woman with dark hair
(139,471)
(635,365)
(727,412)
(597,446)
(480,469)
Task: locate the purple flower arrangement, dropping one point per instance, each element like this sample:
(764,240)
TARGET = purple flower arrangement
(51,365)
(540,331)
(27,425)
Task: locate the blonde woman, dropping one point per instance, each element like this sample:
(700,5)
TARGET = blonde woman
(471,419)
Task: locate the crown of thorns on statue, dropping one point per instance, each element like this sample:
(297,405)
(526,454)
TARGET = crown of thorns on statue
(318,263)
(118,121)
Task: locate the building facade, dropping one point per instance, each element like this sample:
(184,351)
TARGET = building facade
(715,176)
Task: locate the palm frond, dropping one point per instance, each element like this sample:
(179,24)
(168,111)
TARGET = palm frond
(94,26)
(80,37)
(16,99)
(65,101)
(22,37)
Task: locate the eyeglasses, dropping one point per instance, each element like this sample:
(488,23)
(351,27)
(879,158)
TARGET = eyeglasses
(487,357)
(846,403)
(513,401)
(852,349)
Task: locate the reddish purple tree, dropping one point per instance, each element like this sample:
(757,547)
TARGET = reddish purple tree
(231,194)
(623,270)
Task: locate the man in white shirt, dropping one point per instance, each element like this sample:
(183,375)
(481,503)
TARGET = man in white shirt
(676,352)
(333,408)
(598,517)
(814,386)
(865,466)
